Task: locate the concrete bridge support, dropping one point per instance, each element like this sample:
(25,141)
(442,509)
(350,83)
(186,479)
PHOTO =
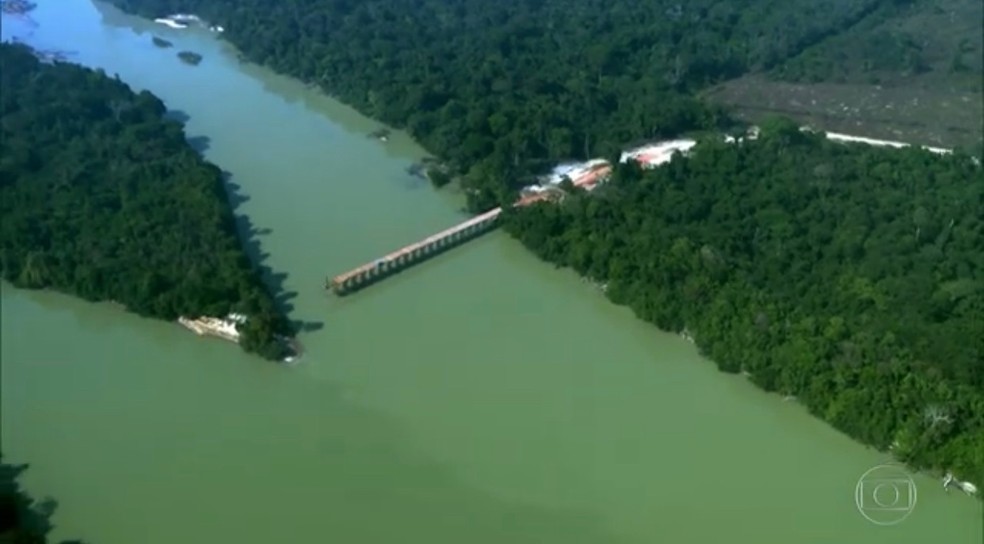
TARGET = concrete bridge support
(403,258)
(412,255)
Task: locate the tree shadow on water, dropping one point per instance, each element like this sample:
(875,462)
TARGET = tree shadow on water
(236,197)
(23,519)
(177,115)
(250,235)
(200,144)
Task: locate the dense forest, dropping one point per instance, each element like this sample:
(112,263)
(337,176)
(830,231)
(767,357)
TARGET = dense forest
(499,89)
(896,44)
(102,197)
(22,519)
(909,71)
(848,276)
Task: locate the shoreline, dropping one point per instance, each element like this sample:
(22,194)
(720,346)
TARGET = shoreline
(261,339)
(227,329)
(655,155)
(833,136)
(321,91)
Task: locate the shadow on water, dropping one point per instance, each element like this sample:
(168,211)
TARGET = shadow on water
(373,488)
(317,101)
(200,144)
(178,116)
(294,91)
(114,17)
(250,235)
(31,519)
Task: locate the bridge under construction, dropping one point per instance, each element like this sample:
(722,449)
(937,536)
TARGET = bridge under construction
(417,252)
(587,176)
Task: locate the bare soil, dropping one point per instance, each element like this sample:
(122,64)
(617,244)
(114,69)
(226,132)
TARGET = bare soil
(939,116)
(914,75)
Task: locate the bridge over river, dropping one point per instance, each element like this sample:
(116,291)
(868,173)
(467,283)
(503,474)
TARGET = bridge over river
(417,252)
(588,176)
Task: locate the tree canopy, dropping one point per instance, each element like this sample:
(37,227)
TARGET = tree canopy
(896,44)
(102,197)
(849,276)
(501,89)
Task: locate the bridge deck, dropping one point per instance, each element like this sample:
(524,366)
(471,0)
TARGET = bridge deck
(587,181)
(405,250)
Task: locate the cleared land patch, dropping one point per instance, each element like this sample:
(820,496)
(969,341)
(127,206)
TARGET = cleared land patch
(913,72)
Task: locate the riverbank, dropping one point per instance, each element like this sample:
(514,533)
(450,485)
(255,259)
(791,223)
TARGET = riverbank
(695,285)
(228,328)
(181,21)
(889,143)
(519,403)
(911,73)
(25,519)
(512,136)
(192,261)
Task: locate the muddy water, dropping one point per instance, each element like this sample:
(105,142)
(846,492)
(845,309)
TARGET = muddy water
(483,397)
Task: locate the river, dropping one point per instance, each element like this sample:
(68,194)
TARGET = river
(483,397)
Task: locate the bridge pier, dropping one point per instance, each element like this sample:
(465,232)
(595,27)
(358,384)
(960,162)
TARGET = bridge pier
(413,254)
(436,244)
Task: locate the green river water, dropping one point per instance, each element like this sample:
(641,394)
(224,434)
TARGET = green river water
(482,397)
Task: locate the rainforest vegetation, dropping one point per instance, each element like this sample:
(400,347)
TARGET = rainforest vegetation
(848,276)
(22,519)
(909,71)
(896,44)
(102,197)
(500,89)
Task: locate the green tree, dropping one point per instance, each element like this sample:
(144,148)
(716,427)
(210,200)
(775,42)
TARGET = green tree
(858,288)
(103,198)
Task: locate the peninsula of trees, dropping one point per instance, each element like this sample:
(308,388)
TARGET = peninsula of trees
(103,198)
(848,276)
(502,89)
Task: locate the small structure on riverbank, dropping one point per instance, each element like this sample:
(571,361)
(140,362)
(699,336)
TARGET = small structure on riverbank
(951,481)
(184,20)
(587,178)
(226,328)
(847,138)
(585,175)
(170,23)
(179,20)
(431,169)
(653,155)
(571,171)
(382,134)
